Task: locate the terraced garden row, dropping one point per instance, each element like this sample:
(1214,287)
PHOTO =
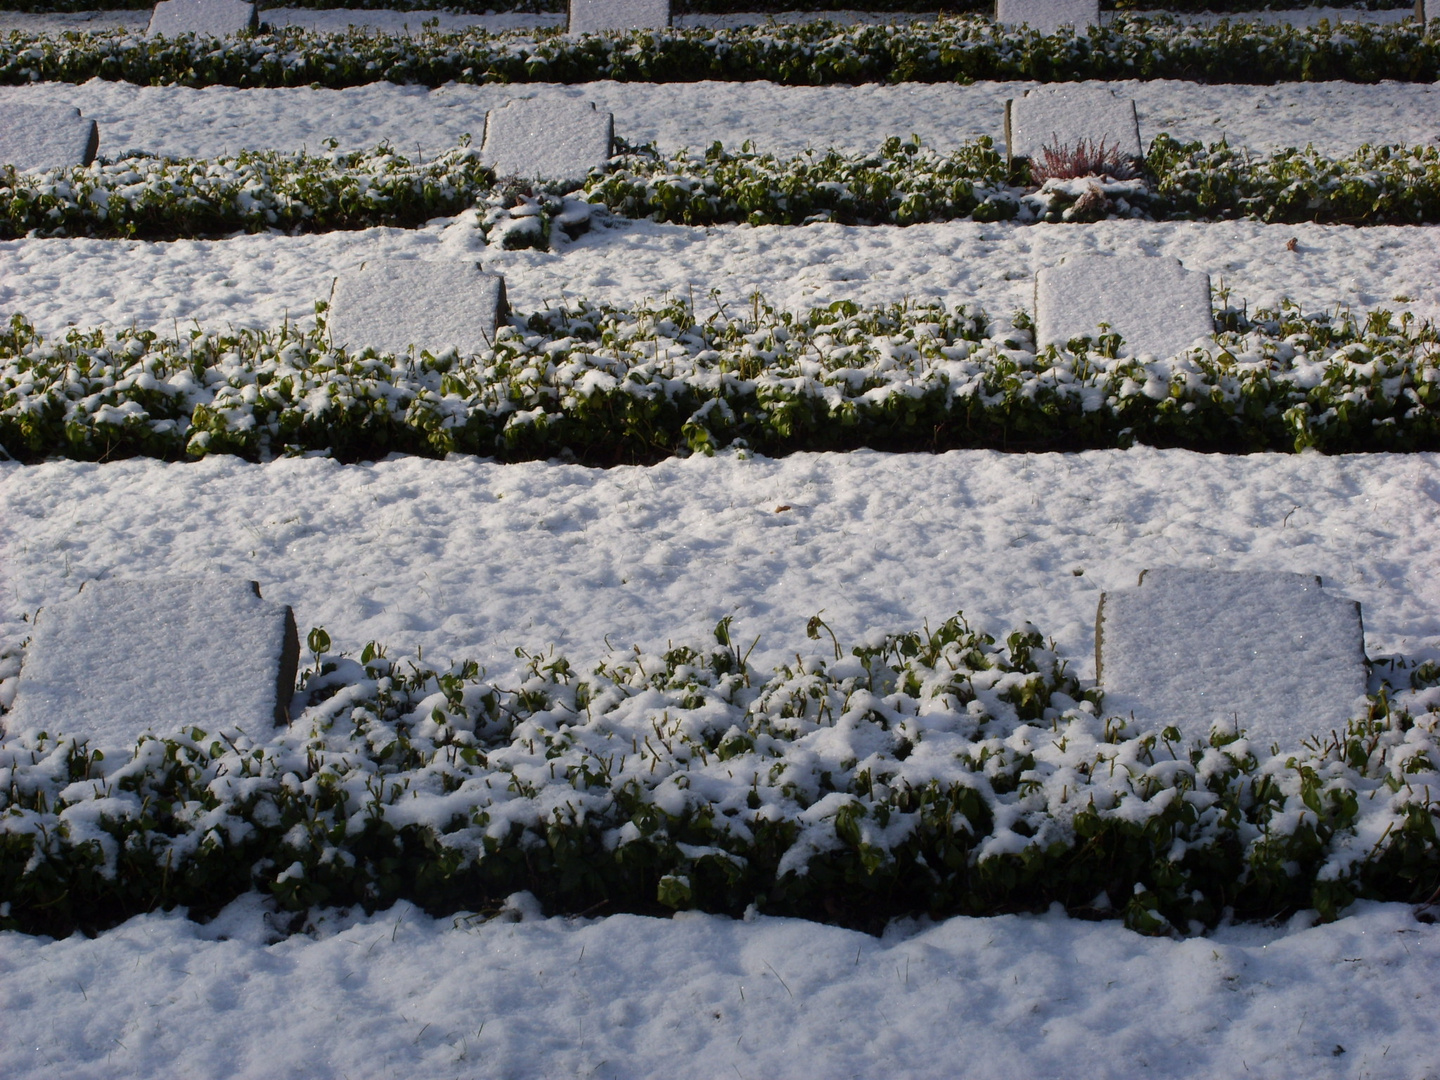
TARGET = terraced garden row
(913,774)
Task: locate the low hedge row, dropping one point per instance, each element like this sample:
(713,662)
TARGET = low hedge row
(930,771)
(902,183)
(160,199)
(605,385)
(697,7)
(821,53)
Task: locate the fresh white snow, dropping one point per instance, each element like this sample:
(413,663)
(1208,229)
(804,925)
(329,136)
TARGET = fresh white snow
(179,121)
(260,281)
(468,558)
(403,995)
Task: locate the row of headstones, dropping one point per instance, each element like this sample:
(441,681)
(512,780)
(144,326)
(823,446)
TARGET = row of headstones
(1154,304)
(220,17)
(556,139)
(1271,652)
(561,139)
(1047,16)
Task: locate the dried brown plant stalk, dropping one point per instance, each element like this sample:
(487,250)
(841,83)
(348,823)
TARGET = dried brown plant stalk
(1085,158)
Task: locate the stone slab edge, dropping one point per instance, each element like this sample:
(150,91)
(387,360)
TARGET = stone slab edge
(289,665)
(669,14)
(285,676)
(1100,629)
(1011,158)
(254,24)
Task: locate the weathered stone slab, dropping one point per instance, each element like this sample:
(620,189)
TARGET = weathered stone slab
(212,18)
(1156,306)
(547,138)
(1067,115)
(1047,16)
(128,655)
(599,16)
(391,306)
(1272,651)
(34,137)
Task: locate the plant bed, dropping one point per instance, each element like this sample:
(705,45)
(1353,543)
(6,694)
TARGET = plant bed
(604,385)
(821,53)
(931,771)
(901,183)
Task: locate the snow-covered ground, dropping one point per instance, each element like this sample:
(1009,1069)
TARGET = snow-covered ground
(467,558)
(178,121)
(403,995)
(259,281)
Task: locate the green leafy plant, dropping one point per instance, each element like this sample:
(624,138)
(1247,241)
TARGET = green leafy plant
(939,771)
(820,53)
(604,384)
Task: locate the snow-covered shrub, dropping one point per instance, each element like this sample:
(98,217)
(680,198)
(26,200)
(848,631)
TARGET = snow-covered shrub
(931,771)
(606,384)
(820,53)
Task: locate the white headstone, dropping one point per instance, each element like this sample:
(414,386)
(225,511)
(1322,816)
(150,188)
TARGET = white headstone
(128,655)
(1272,651)
(34,137)
(1155,305)
(1065,115)
(547,138)
(391,306)
(599,16)
(212,18)
(1047,16)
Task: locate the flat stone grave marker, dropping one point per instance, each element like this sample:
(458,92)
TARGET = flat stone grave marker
(391,306)
(212,18)
(547,138)
(599,16)
(34,137)
(1191,648)
(1156,306)
(1047,16)
(1065,116)
(128,655)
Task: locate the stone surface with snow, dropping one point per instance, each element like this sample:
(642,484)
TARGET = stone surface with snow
(1068,115)
(213,18)
(600,16)
(34,137)
(1048,16)
(1272,652)
(1156,305)
(124,656)
(547,138)
(392,306)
